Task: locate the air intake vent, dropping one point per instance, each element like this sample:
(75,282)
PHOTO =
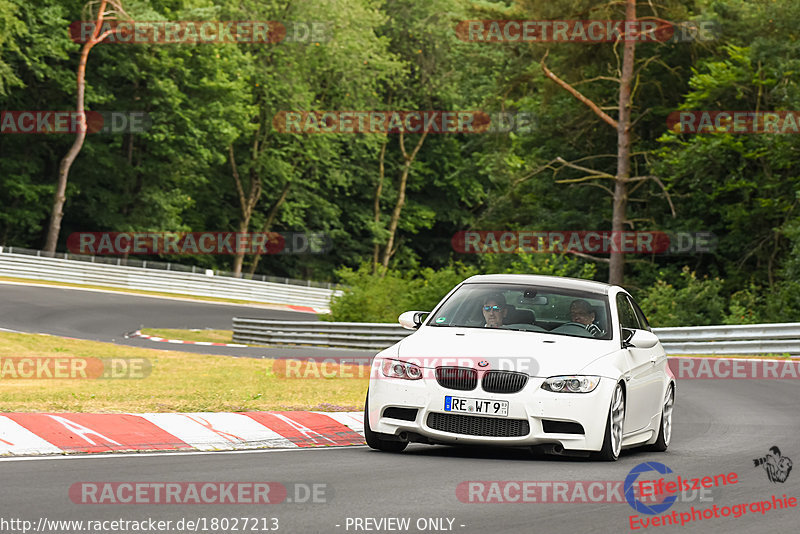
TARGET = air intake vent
(405,414)
(461,378)
(561,427)
(478,426)
(504,381)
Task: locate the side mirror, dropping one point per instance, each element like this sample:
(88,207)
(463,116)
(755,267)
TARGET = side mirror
(639,339)
(411,320)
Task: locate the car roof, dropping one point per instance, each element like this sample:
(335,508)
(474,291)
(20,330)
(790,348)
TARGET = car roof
(556,282)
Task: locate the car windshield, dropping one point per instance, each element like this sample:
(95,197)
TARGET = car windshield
(529,308)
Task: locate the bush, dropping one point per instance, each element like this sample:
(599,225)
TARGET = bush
(367,298)
(694,303)
(380,299)
(545,264)
(746,307)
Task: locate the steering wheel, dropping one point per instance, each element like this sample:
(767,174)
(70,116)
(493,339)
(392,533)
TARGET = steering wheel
(595,332)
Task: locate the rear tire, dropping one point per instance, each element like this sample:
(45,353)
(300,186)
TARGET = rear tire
(665,428)
(375,439)
(612,443)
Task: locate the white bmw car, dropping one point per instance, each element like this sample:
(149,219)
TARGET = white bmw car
(561,365)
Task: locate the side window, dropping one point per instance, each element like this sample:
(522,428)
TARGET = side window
(627,317)
(640,315)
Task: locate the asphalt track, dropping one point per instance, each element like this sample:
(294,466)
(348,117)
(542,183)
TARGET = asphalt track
(720,427)
(107,316)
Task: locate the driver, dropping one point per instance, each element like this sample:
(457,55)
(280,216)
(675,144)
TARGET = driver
(494,310)
(582,312)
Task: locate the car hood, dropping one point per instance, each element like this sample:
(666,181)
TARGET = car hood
(533,353)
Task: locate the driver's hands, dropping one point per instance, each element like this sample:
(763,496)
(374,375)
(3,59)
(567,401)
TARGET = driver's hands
(594,330)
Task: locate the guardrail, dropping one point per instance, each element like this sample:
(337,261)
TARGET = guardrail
(735,339)
(318,333)
(775,338)
(206,283)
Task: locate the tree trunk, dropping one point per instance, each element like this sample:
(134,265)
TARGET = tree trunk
(239,258)
(401,196)
(273,212)
(60,197)
(247,203)
(377,207)
(616,268)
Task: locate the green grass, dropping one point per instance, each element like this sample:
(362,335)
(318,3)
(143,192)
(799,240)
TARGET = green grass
(178,382)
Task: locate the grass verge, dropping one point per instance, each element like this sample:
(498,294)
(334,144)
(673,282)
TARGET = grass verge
(178,382)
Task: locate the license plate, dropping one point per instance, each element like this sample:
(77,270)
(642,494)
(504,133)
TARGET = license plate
(476,406)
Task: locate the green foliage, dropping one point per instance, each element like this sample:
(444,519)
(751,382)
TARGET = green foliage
(746,307)
(382,298)
(10,30)
(403,54)
(544,264)
(781,303)
(372,297)
(691,301)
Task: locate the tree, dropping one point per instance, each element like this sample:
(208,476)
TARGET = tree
(299,172)
(742,187)
(566,136)
(35,75)
(114,12)
(408,160)
(622,125)
(434,69)
(11,27)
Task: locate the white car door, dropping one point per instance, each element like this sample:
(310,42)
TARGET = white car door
(643,376)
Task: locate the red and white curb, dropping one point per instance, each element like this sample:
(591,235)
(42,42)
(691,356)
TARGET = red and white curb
(61,433)
(308,309)
(138,333)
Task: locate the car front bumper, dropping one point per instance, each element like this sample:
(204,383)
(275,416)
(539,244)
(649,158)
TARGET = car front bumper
(534,405)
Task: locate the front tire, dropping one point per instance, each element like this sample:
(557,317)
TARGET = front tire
(665,429)
(374,439)
(612,443)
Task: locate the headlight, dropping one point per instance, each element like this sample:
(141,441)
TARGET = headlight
(571,384)
(401,369)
